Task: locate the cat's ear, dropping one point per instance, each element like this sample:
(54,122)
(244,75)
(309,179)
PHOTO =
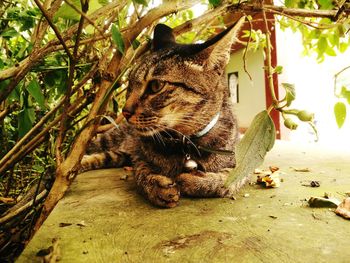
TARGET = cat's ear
(163,37)
(216,51)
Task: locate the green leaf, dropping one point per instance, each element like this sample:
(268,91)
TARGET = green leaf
(251,150)
(38,168)
(345,93)
(26,118)
(118,38)
(35,90)
(330,52)
(290,92)
(289,3)
(343,47)
(27,20)
(215,3)
(278,69)
(326,4)
(340,113)
(66,12)
(3,84)
(8,33)
(103,2)
(322,45)
(141,2)
(15,95)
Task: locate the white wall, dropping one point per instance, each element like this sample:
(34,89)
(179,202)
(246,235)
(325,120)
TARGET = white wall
(251,93)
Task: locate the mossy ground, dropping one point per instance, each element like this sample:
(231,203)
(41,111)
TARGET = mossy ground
(109,222)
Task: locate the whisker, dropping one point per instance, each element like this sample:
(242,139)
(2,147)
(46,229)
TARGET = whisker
(193,144)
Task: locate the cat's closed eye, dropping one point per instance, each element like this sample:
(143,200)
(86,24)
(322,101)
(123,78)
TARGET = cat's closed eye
(154,86)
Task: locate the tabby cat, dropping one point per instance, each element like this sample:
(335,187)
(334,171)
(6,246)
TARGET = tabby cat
(179,116)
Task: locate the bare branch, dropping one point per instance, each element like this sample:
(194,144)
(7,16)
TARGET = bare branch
(40,29)
(69,166)
(91,22)
(23,67)
(54,28)
(284,10)
(16,212)
(73,61)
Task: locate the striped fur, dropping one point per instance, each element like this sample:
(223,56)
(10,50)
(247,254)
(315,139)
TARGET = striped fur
(174,92)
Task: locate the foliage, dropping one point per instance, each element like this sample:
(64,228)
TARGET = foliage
(340,113)
(321,36)
(251,150)
(342,92)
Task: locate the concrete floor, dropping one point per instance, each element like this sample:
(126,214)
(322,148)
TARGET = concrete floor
(109,222)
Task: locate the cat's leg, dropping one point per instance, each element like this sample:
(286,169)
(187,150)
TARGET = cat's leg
(201,184)
(107,159)
(158,189)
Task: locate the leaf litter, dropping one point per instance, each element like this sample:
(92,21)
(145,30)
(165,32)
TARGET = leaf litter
(270,178)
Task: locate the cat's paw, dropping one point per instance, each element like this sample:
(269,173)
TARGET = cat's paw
(191,183)
(163,192)
(203,184)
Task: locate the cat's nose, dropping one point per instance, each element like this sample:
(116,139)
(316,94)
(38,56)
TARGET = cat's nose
(127,114)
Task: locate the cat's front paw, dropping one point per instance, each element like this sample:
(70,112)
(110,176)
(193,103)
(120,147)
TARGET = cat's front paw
(163,192)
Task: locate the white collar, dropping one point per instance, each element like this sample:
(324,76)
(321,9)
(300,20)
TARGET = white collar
(209,126)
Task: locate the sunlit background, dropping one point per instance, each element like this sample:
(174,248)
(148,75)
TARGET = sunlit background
(315,88)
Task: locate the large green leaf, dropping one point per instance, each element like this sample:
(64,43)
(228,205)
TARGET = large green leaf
(118,38)
(340,113)
(35,90)
(251,150)
(26,118)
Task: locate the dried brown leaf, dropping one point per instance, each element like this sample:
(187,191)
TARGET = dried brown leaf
(343,208)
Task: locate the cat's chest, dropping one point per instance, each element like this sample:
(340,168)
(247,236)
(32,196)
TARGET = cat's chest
(170,159)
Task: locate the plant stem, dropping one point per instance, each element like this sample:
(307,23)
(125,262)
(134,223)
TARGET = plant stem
(268,60)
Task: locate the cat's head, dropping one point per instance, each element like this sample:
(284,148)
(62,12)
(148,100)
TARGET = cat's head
(178,87)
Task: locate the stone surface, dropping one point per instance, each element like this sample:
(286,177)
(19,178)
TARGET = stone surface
(107,221)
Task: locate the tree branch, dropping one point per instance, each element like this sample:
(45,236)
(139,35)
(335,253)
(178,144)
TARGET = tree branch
(72,62)
(249,8)
(4,162)
(23,67)
(69,166)
(20,209)
(91,22)
(54,28)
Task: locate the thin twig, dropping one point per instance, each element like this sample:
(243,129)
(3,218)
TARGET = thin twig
(21,143)
(246,50)
(14,155)
(268,60)
(336,75)
(308,23)
(85,17)
(72,62)
(16,212)
(54,28)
